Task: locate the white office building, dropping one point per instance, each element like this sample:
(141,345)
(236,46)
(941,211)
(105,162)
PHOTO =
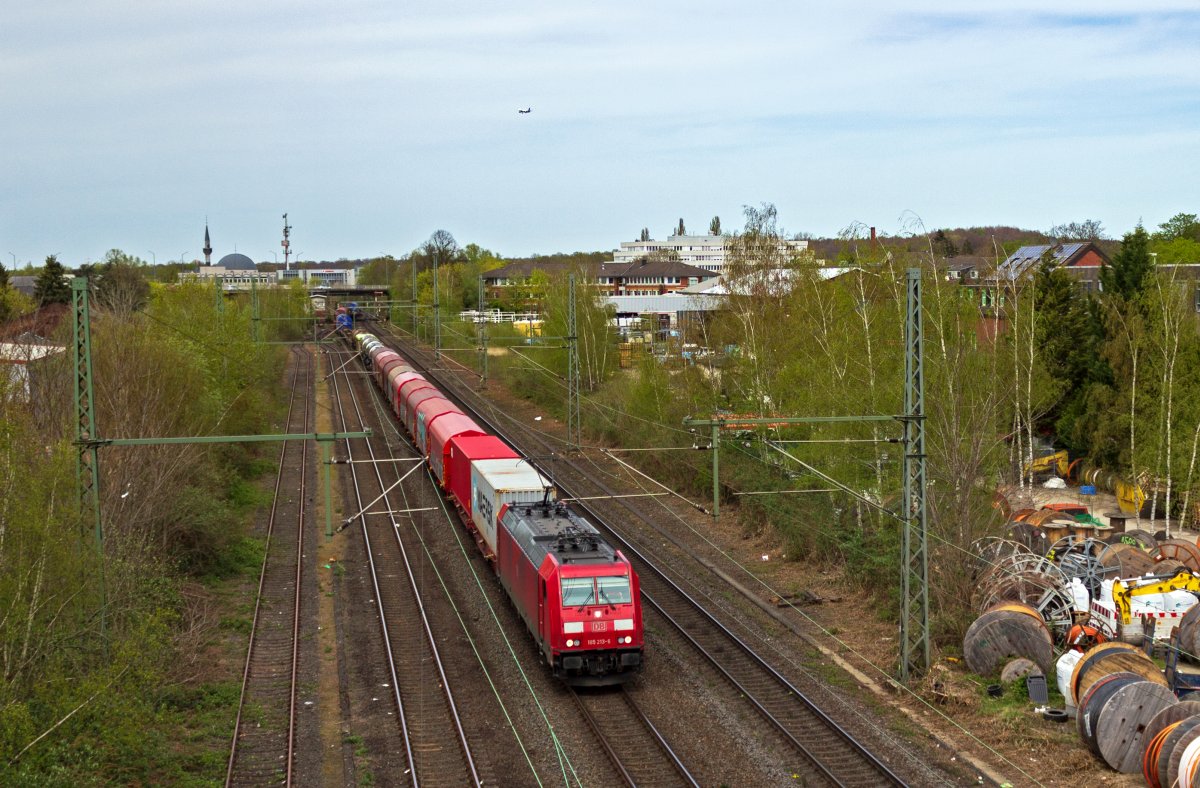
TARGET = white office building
(702,251)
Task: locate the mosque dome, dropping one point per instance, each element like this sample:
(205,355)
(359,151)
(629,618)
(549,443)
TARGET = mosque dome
(237,262)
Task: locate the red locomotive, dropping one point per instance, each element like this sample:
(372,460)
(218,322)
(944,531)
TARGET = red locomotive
(578,596)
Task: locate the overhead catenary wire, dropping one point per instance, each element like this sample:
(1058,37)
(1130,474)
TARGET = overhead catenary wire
(501,413)
(564,759)
(864,659)
(842,644)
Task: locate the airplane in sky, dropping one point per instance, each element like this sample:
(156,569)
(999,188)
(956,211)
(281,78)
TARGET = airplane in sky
(525,111)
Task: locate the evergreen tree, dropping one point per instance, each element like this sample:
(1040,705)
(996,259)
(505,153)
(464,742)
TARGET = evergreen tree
(51,287)
(1131,267)
(680,229)
(645,234)
(714,227)
(943,245)
(1068,338)
(5,310)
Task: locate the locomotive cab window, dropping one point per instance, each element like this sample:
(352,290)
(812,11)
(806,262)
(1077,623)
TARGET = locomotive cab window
(614,590)
(578,591)
(581,591)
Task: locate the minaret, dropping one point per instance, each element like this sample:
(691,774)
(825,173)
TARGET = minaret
(207,246)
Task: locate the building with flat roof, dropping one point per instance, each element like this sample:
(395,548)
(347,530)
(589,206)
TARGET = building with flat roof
(702,251)
(641,276)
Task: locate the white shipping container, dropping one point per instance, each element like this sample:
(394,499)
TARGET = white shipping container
(497,482)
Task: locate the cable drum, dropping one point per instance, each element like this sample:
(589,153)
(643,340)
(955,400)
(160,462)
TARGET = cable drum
(1088,714)
(1117,661)
(1153,748)
(1080,558)
(1187,553)
(1189,634)
(1189,764)
(1135,538)
(998,635)
(1175,712)
(1090,656)
(1174,758)
(1127,560)
(1168,566)
(1123,722)
(1173,737)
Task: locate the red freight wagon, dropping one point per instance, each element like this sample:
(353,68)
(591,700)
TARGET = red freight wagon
(394,386)
(407,389)
(461,451)
(577,595)
(379,362)
(378,350)
(384,370)
(440,432)
(412,405)
(430,412)
(393,373)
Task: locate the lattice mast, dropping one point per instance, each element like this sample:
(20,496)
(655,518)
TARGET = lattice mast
(573,373)
(914,615)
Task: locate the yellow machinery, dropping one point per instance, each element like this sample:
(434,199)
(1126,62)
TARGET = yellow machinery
(1183,580)
(1130,497)
(1052,463)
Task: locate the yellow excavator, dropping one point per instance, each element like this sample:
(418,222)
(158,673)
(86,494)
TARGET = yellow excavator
(1123,592)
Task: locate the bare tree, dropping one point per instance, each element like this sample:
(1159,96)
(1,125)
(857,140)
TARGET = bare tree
(441,248)
(1086,230)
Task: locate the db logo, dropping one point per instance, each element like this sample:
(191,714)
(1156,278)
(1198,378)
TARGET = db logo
(599,626)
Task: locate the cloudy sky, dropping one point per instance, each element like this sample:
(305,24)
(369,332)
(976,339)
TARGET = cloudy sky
(375,122)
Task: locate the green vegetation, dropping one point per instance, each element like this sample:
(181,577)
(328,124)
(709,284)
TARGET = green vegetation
(127,693)
(51,287)
(1106,374)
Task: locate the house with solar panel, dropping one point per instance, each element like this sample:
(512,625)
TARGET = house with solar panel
(1081,259)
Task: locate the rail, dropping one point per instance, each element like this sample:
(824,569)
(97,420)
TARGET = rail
(422,760)
(842,755)
(253,753)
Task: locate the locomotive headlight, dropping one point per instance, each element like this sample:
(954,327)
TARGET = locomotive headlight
(572,643)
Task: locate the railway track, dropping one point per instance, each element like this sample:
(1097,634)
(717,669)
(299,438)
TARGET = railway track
(633,745)
(833,752)
(436,748)
(264,739)
(834,755)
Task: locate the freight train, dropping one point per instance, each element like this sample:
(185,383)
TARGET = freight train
(578,596)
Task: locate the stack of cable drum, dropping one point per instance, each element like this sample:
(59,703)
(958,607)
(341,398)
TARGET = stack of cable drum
(1172,753)
(1124,709)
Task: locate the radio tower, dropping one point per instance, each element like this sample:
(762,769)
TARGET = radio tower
(286,244)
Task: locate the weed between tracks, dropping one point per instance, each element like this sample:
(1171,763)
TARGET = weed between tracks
(365,777)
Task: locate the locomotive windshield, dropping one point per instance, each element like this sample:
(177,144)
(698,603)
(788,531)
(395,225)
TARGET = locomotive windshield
(609,590)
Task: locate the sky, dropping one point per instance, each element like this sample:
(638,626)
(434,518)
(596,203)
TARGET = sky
(373,123)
